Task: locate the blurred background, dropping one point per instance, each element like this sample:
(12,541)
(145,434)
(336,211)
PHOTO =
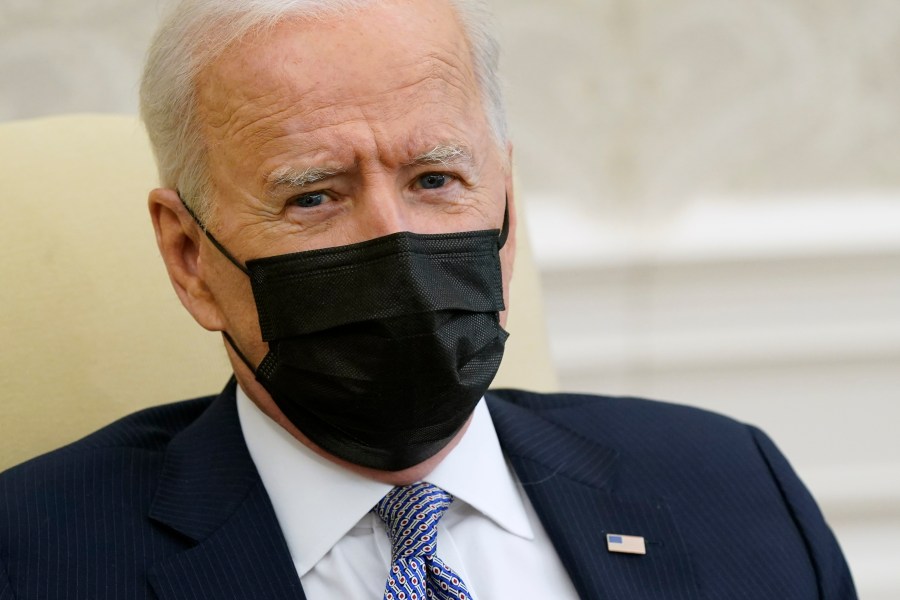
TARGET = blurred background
(713,195)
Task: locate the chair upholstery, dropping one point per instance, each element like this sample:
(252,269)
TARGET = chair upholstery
(90,326)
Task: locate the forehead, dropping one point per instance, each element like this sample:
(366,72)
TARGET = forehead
(384,66)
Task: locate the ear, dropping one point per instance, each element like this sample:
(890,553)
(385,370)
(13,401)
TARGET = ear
(180,243)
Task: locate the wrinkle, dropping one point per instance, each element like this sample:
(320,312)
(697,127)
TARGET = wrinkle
(250,130)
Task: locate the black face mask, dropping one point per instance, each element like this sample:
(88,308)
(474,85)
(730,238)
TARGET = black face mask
(379,351)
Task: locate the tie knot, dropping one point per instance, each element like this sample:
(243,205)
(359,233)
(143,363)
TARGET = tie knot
(411,514)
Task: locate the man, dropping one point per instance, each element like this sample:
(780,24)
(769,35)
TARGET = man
(337,200)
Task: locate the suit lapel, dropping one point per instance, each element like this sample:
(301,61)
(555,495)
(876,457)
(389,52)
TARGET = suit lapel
(211,493)
(572,483)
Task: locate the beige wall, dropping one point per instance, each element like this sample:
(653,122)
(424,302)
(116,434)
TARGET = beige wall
(713,188)
(639,105)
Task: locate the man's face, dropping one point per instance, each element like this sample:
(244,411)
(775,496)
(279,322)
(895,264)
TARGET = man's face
(327,132)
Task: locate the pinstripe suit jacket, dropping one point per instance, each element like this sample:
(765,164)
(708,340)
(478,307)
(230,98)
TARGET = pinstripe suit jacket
(167,504)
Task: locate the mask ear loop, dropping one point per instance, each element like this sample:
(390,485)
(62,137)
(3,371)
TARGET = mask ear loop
(237,351)
(233,261)
(504,232)
(212,239)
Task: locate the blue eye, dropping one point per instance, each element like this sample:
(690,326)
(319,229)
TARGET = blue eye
(432,181)
(310,200)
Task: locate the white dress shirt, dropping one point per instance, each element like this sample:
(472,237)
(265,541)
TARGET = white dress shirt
(490,535)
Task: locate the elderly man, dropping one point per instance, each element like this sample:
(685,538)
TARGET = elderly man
(338,202)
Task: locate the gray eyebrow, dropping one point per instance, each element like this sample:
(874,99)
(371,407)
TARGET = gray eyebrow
(290,177)
(443,154)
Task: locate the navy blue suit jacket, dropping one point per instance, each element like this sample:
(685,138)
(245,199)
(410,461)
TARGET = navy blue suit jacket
(167,504)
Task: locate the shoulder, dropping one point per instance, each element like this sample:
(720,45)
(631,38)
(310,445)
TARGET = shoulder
(622,420)
(619,406)
(663,445)
(101,484)
(91,499)
(726,481)
(125,448)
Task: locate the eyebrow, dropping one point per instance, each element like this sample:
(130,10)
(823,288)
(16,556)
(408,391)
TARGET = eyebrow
(291,177)
(443,154)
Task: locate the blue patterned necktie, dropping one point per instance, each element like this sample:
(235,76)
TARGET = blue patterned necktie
(411,514)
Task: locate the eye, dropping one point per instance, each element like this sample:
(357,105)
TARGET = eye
(432,181)
(310,200)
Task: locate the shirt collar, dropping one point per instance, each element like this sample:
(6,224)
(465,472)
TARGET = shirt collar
(317,502)
(477,473)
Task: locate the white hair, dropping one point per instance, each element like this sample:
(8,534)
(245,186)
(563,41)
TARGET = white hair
(195,32)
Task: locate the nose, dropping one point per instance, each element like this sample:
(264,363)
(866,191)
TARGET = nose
(380,211)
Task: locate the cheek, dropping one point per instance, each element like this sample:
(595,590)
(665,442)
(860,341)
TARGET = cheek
(245,329)
(234,296)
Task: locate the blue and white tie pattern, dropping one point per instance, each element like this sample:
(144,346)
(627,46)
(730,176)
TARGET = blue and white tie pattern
(411,514)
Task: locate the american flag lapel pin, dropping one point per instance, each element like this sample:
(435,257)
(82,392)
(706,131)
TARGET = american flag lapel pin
(625,544)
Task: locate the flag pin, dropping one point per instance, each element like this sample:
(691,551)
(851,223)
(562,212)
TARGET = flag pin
(625,544)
